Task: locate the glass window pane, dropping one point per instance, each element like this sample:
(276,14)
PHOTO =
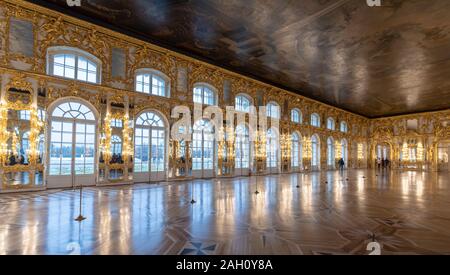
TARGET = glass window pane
(59,58)
(69,72)
(92,77)
(58,70)
(82,63)
(92,67)
(70,60)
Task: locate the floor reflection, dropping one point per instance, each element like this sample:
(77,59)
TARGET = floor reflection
(313,213)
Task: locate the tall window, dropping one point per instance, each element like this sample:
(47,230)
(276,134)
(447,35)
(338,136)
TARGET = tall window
(315,151)
(315,120)
(344,127)
(273,110)
(242,147)
(330,124)
(296,150)
(116,145)
(149,147)
(242,103)
(72,140)
(296,116)
(272,149)
(330,152)
(204,94)
(152,82)
(74,64)
(203,145)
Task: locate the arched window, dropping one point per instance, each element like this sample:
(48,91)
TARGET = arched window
(272,148)
(330,152)
(116,145)
(41,148)
(152,82)
(242,147)
(242,103)
(73,110)
(330,124)
(315,151)
(296,150)
(73,63)
(150,145)
(296,116)
(315,120)
(344,127)
(205,94)
(72,142)
(273,110)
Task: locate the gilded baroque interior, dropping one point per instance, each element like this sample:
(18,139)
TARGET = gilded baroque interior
(28,94)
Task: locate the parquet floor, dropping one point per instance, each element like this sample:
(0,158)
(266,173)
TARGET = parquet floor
(329,213)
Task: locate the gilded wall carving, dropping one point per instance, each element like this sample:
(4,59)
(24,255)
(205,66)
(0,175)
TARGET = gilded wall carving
(53,29)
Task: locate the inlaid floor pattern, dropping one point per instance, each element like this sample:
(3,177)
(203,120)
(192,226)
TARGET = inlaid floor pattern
(314,213)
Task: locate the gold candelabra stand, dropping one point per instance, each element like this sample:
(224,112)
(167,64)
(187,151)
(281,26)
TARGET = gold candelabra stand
(307,153)
(260,150)
(286,148)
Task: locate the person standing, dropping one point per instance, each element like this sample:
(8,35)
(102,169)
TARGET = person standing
(341,164)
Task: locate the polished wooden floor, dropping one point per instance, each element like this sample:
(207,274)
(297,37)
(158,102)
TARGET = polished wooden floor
(329,213)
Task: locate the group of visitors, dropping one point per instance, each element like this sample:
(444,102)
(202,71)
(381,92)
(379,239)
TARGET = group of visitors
(383,163)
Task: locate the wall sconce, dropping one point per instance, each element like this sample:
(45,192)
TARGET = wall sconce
(405,152)
(420,155)
(337,150)
(285,144)
(360,151)
(230,138)
(307,149)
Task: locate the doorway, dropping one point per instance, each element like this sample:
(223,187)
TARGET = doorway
(72,139)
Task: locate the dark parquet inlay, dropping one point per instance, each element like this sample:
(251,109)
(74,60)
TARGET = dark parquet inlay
(406,212)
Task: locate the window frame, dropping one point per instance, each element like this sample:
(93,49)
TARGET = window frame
(152,73)
(269,110)
(246,97)
(315,115)
(203,85)
(114,123)
(344,125)
(299,113)
(77,53)
(333,128)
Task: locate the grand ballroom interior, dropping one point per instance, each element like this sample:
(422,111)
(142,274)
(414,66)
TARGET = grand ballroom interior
(350,146)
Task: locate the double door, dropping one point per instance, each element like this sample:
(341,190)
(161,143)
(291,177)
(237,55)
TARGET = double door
(72,153)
